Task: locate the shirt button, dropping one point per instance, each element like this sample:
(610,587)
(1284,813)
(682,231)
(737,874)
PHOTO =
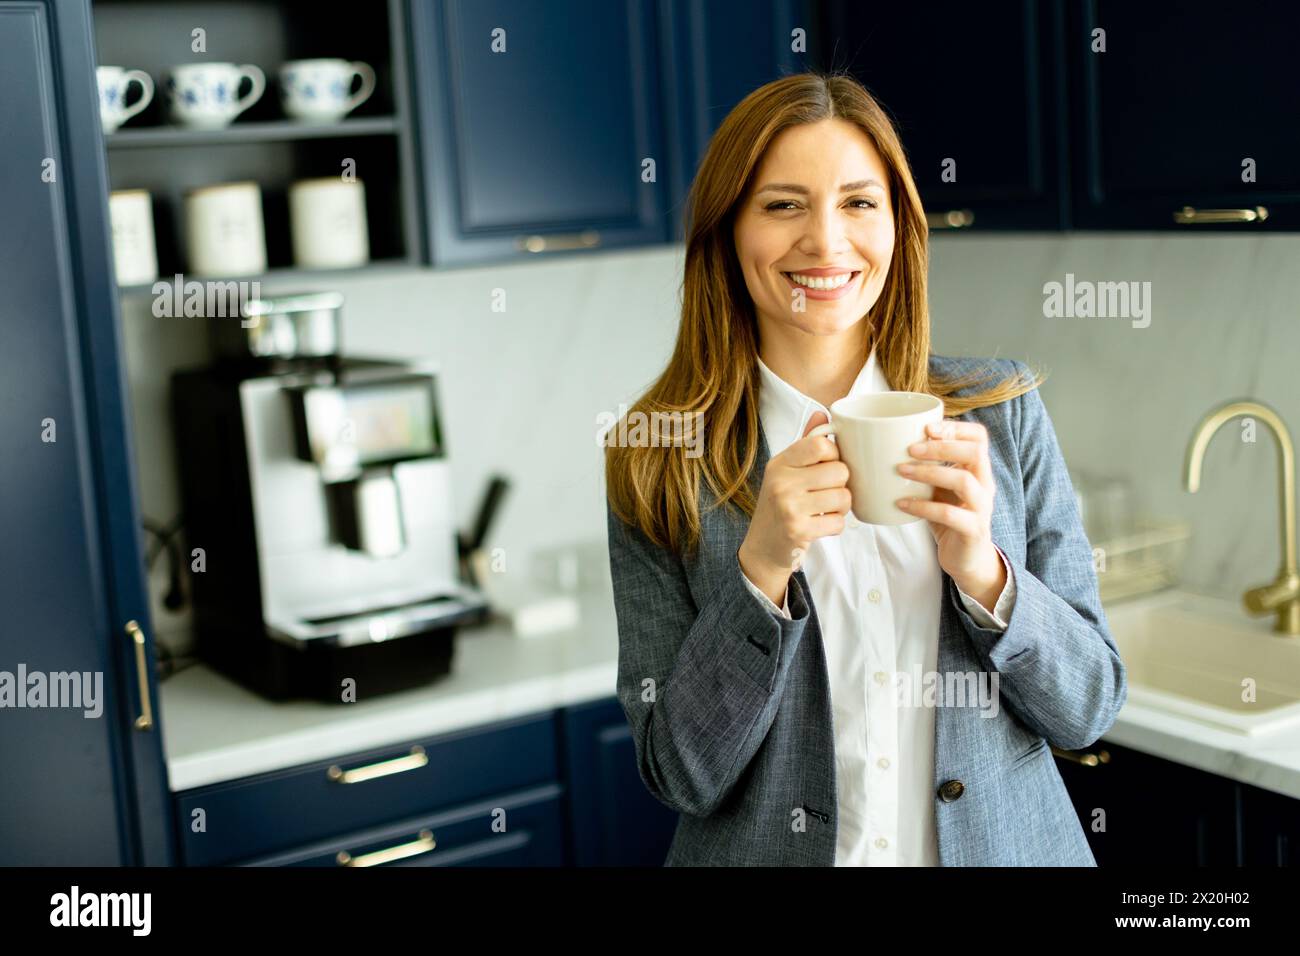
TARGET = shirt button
(873,596)
(881,842)
(881,677)
(883,763)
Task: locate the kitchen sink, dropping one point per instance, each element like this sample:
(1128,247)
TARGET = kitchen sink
(1189,655)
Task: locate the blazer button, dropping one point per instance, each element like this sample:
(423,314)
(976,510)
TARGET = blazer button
(951,790)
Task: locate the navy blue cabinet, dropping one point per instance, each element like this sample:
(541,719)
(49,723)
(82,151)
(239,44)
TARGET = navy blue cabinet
(1142,810)
(84,782)
(715,53)
(1187,121)
(1156,811)
(519,829)
(550,789)
(360,799)
(613,818)
(977,93)
(1270,828)
(539,122)
(540,126)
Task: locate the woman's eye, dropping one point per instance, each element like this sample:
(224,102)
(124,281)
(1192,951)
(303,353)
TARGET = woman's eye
(782,205)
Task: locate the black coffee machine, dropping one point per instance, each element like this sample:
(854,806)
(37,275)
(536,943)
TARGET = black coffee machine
(319,492)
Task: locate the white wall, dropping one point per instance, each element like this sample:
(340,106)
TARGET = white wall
(522,389)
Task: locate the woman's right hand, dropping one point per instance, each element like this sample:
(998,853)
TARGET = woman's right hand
(804,496)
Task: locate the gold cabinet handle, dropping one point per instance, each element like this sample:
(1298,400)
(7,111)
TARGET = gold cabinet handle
(412,761)
(1189,214)
(423,844)
(1087,759)
(952,219)
(587,239)
(145,720)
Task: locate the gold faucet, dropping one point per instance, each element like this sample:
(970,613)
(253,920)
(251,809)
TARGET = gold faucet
(1283,594)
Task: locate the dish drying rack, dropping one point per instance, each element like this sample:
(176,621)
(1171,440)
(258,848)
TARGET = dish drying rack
(1145,560)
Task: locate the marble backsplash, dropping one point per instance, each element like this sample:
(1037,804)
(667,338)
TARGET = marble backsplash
(523,389)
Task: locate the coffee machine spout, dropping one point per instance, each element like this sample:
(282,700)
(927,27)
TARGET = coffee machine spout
(368,513)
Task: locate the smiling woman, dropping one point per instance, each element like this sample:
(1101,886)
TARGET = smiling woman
(760,624)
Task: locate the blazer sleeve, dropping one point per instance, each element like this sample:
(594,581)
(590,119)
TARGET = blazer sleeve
(1059,669)
(700,685)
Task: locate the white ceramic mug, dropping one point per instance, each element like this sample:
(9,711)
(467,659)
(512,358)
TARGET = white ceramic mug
(206,95)
(327,220)
(223,230)
(113,82)
(321,90)
(873,433)
(135,258)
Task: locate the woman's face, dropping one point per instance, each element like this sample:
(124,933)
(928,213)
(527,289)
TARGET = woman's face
(815,234)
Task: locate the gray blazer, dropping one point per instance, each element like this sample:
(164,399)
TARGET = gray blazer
(730,709)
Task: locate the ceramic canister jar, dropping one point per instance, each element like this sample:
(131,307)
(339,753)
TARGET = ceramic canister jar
(135,258)
(223,229)
(328,222)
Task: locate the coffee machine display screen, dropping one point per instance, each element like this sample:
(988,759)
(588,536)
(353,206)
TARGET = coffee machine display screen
(392,421)
(358,425)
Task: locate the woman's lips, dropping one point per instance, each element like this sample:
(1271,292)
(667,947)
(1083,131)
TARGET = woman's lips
(824,293)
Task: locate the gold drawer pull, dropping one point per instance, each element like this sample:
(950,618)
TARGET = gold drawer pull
(587,239)
(412,761)
(423,844)
(952,219)
(145,720)
(1188,214)
(1087,759)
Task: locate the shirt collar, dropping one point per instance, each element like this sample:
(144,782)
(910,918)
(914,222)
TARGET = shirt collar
(784,410)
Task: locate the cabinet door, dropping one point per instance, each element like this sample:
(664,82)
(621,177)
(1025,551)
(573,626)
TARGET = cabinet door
(1270,825)
(613,819)
(537,121)
(82,784)
(715,53)
(272,813)
(524,828)
(976,93)
(1179,100)
(1155,811)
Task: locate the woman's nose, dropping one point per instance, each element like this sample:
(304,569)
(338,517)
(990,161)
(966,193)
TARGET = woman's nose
(824,232)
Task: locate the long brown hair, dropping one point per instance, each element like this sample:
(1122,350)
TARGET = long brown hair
(713,372)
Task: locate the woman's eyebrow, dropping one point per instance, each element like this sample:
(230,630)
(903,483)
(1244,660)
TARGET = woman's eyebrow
(803,190)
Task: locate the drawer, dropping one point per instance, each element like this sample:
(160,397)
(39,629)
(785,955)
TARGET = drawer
(278,811)
(532,835)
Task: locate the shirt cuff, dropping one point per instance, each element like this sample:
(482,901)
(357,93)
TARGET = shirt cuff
(783,611)
(1002,609)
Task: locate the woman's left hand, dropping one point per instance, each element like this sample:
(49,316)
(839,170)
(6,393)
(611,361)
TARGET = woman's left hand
(961,513)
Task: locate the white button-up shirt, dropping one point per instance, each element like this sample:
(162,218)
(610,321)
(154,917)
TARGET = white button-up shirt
(878,591)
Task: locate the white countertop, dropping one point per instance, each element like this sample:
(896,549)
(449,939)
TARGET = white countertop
(215,730)
(1270,761)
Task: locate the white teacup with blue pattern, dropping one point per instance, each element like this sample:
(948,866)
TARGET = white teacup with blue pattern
(320,91)
(206,95)
(113,84)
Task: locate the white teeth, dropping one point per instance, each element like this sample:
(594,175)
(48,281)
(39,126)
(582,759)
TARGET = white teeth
(821,282)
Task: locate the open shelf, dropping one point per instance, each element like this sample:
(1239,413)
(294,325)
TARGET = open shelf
(265,132)
(279,276)
(375,143)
